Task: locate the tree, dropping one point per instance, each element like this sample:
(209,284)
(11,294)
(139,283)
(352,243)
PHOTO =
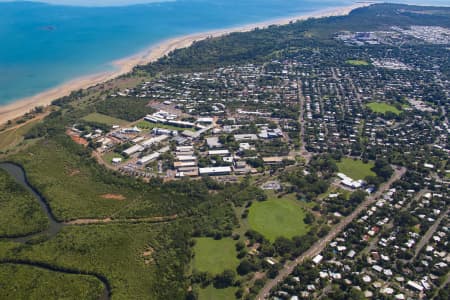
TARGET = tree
(309,218)
(357,197)
(272,273)
(246,267)
(383,169)
(284,245)
(240,245)
(404,218)
(224,279)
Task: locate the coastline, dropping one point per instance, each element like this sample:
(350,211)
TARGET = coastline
(153,53)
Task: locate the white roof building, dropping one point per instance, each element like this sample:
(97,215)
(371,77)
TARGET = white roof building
(317,259)
(148,158)
(218,152)
(134,149)
(215,171)
(155,140)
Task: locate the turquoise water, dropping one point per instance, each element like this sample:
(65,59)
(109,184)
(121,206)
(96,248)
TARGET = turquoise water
(45,45)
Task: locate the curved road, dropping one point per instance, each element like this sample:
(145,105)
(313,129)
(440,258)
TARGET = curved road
(322,243)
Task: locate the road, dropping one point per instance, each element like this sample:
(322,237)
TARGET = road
(427,236)
(301,120)
(320,245)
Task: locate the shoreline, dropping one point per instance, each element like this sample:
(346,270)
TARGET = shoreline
(154,52)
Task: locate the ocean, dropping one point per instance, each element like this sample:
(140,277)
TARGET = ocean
(44,45)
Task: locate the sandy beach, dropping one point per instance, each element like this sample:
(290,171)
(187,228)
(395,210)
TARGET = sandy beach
(123,66)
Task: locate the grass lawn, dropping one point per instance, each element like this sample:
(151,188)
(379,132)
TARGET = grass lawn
(382,108)
(215,256)
(357,62)
(211,293)
(355,169)
(107,157)
(20,212)
(277,217)
(35,283)
(104,119)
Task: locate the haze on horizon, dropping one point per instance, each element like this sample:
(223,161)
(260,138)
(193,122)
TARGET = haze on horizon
(134,2)
(92,2)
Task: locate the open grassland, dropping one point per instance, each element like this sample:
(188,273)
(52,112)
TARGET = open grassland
(139,261)
(12,137)
(214,256)
(357,62)
(382,108)
(104,119)
(20,213)
(211,293)
(125,108)
(108,157)
(355,169)
(31,282)
(277,217)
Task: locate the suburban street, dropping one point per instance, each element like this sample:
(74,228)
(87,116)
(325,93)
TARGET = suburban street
(320,245)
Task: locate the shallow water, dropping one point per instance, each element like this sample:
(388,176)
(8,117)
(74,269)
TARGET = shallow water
(45,45)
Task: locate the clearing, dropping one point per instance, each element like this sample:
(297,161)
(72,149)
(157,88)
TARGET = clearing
(355,169)
(277,217)
(13,136)
(118,197)
(357,62)
(211,293)
(215,256)
(104,119)
(382,108)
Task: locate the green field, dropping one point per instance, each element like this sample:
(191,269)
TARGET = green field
(383,108)
(20,212)
(104,119)
(35,283)
(355,169)
(117,252)
(277,217)
(124,108)
(211,293)
(357,62)
(12,137)
(107,157)
(215,256)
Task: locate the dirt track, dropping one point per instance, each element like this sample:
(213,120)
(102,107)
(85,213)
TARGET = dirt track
(110,220)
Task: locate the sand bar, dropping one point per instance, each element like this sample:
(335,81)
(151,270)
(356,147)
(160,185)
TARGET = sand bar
(126,65)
